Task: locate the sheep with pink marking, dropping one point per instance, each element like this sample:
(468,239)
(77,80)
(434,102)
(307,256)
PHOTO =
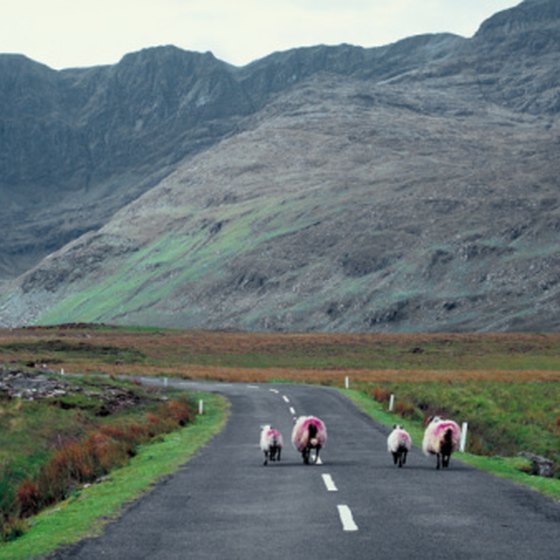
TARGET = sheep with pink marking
(271,443)
(441,439)
(399,444)
(309,436)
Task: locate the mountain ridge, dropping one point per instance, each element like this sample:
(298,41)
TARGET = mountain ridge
(396,140)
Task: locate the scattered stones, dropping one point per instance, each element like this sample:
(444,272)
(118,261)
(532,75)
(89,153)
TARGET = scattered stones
(15,383)
(540,466)
(18,384)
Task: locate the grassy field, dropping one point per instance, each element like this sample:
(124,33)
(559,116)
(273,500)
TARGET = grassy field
(507,386)
(511,467)
(314,357)
(61,433)
(89,508)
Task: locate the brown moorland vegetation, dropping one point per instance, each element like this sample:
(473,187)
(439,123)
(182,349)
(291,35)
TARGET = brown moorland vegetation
(59,433)
(314,358)
(505,385)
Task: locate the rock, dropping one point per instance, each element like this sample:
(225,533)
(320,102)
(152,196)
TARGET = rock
(540,466)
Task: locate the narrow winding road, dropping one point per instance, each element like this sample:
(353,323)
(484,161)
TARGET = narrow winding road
(224,504)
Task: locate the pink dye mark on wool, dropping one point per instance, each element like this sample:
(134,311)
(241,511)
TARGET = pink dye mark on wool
(309,430)
(270,436)
(436,434)
(404,438)
(399,437)
(274,434)
(441,427)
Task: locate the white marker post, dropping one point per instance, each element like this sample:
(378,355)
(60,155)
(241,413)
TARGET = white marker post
(463,442)
(165,381)
(347,382)
(62,371)
(391,402)
(200,406)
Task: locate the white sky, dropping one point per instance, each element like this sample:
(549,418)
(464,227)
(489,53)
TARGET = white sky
(70,33)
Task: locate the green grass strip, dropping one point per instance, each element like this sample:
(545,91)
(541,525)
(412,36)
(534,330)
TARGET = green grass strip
(504,467)
(86,512)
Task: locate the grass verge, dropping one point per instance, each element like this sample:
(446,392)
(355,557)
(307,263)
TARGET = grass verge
(504,467)
(86,512)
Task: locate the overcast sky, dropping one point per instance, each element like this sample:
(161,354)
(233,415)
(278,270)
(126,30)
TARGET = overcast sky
(69,33)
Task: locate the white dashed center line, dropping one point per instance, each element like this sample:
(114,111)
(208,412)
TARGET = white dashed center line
(329,483)
(318,462)
(346,518)
(292,410)
(276,391)
(286,399)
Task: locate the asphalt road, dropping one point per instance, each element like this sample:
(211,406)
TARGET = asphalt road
(224,504)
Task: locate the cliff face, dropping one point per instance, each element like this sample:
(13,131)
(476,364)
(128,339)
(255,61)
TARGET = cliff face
(77,145)
(408,187)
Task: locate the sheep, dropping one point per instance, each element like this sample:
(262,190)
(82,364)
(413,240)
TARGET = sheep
(399,443)
(271,443)
(441,438)
(309,433)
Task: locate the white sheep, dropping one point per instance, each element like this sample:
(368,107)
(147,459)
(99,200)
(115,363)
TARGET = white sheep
(309,435)
(271,443)
(399,444)
(441,439)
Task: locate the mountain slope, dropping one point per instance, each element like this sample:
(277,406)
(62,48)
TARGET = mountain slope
(77,145)
(411,187)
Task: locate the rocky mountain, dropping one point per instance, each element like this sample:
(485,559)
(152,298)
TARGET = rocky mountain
(407,187)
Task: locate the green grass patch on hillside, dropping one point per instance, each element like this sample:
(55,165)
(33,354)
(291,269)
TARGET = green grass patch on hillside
(152,274)
(88,509)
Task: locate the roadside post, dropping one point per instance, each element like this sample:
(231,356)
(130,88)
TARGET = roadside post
(463,442)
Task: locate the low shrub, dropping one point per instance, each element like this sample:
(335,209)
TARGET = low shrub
(12,528)
(79,461)
(380,395)
(27,498)
(405,409)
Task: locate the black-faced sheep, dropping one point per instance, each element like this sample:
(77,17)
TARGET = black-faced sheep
(441,439)
(399,444)
(309,436)
(271,443)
